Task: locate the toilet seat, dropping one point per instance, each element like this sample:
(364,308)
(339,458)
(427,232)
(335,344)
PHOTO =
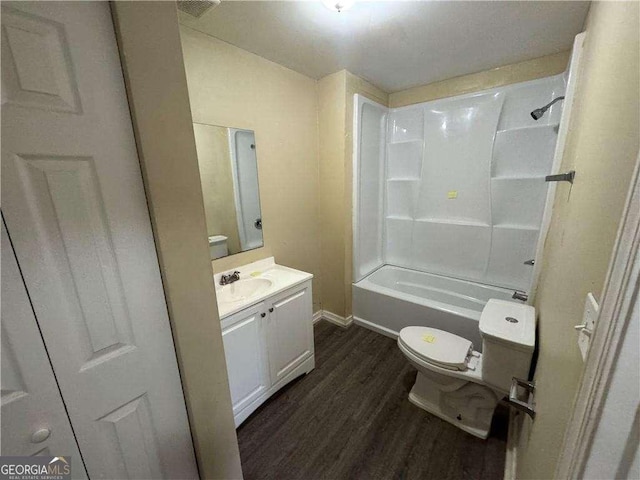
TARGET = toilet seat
(437,347)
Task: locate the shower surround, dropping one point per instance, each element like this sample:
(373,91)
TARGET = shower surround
(455,188)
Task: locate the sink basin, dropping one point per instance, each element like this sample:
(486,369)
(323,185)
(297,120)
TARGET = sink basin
(242,290)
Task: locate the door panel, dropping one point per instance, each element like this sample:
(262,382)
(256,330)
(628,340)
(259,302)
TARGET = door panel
(75,206)
(290,332)
(31,400)
(245,351)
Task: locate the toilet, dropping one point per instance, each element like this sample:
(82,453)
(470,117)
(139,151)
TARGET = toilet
(461,385)
(218,246)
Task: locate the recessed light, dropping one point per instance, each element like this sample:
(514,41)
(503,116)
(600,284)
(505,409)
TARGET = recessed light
(338,5)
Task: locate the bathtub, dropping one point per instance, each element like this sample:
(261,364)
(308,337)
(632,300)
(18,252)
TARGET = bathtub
(392,298)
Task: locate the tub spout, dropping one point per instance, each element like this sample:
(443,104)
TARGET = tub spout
(518,295)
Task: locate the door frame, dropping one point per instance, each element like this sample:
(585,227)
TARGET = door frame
(620,291)
(148,34)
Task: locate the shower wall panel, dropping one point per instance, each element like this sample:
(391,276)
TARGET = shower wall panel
(368,229)
(465,187)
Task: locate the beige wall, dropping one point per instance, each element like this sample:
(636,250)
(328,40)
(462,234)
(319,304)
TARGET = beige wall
(148,36)
(331,126)
(496,77)
(602,146)
(304,136)
(231,87)
(303,132)
(212,145)
(335,123)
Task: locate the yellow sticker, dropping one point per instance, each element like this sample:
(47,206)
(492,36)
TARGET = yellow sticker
(429,338)
(451,194)
(255,274)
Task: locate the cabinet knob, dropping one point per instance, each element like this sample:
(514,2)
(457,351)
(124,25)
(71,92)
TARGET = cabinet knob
(271,310)
(263,314)
(40,435)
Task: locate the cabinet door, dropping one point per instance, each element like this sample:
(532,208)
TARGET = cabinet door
(290,331)
(245,351)
(34,421)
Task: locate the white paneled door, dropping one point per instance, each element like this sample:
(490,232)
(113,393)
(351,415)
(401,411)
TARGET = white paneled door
(74,204)
(34,421)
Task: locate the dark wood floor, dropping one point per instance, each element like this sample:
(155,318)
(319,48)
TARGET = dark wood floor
(350,418)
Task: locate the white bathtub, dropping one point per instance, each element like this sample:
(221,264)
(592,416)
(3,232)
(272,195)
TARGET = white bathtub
(392,298)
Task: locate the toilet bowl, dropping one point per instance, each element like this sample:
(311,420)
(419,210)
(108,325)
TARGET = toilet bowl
(461,385)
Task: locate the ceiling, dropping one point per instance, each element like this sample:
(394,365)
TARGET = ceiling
(395,44)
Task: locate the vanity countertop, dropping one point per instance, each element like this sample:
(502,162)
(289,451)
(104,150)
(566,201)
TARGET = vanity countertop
(258,281)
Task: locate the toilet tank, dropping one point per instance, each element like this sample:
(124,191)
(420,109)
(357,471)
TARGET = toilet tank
(508,332)
(218,246)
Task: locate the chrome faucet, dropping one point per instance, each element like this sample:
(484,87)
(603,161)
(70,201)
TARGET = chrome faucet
(229,278)
(518,295)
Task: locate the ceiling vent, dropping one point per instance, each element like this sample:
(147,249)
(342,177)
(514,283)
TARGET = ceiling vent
(196,8)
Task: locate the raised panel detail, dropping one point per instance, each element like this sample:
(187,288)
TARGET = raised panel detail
(129,437)
(39,73)
(245,355)
(69,185)
(291,339)
(13,385)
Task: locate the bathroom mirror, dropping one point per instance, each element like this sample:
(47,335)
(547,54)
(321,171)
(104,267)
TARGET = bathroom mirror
(227,158)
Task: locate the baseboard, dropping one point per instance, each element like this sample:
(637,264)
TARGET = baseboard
(317,316)
(513,437)
(376,328)
(333,318)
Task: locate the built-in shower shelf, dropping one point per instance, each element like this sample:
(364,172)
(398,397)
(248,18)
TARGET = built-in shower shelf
(519,177)
(529,127)
(511,226)
(524,152)
(414,140)
(453,221)
(404,179)
(399,217)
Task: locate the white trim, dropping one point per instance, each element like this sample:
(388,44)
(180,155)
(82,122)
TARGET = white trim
(615,314)
(513,434)
(563,128)
(333,318)
(387,332)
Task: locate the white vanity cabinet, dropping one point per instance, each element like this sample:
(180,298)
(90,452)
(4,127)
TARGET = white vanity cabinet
(267,345)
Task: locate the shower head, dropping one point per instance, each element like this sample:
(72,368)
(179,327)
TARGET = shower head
(539,112)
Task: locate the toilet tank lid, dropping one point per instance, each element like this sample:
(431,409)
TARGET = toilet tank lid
(213,239)
(509,322)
